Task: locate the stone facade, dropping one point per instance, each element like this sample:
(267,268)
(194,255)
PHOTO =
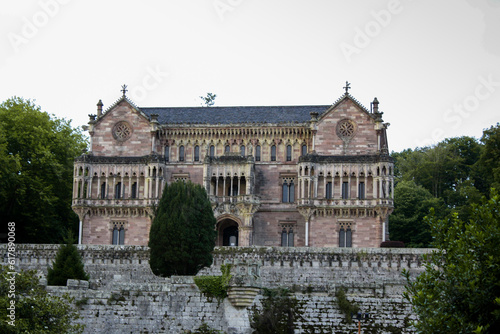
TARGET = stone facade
(123,296)
(318,176)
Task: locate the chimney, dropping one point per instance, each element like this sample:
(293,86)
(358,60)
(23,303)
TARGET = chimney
(375,106)
(99,108)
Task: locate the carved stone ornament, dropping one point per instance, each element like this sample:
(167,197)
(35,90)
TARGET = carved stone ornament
(346,129)
(122,131)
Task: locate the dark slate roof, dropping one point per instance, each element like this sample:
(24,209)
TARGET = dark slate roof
(232,115)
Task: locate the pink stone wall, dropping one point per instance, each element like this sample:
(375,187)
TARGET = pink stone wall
(139,143)
(97,230)
(364,141)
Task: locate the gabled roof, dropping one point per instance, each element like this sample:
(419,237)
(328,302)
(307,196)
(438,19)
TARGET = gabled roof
(120,100)
(236,115)
(232,115)
(348,96)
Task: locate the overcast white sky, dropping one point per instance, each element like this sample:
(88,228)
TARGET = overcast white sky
(433,65)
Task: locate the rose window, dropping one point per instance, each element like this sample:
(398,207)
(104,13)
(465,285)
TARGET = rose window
(346,129)
(122,131)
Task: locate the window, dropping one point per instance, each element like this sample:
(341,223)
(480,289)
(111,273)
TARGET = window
(361,190)
(345,190)
(285,192)
(289,153)
(345,237)
(181,153)
(287,237)
(328,190)
(118,235)
(227,149)
(304,149)
(288,190)
(273,153)
(196,153)
(133,192)
(167,153)
(212,151)
(242,150)
(118,190)
(103,190)
(257,153)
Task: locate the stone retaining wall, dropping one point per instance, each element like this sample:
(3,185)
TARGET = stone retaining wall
(123,295)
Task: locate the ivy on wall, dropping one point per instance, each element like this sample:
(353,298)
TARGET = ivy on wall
(215,286)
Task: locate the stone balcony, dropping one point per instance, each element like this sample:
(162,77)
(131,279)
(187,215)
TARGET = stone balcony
(115,202)
(250,199)
(347,203)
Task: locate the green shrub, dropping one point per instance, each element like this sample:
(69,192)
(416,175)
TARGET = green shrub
(68,265)
(278,315)
(346,307)
(215,286)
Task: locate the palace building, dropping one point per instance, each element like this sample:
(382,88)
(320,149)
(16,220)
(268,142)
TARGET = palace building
(318,176)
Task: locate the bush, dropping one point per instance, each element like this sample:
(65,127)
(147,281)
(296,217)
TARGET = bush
(68,265)
(215,286)
(278,315)
(345,306)
(392,244)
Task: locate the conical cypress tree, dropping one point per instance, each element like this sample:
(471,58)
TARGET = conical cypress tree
(182,235)
(68,264)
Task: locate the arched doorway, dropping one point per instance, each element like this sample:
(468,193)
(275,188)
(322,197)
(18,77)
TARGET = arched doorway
(227,233)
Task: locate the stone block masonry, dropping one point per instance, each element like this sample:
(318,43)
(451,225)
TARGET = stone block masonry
(123,295)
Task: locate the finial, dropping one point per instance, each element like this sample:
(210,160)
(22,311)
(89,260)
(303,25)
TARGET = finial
(99,108)
(124,89)
(347,87)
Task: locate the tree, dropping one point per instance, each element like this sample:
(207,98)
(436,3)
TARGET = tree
(488,166)
(67,265)
(37,152)
(34,310)
(208,100)
(459,292)
(411,204)
(182,235)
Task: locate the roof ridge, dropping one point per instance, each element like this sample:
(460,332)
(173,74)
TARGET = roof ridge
(122,98)
(254,106)
(353,99)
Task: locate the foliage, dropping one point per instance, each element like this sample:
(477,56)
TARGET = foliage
(488,166)
(456,173)
(37,152)
(36,311)
(215,286)
(68,265)
(208,100)
(392,244)
(278,315)
(205,329)
(345,306)
(459,292)
(411,204)
(182,235)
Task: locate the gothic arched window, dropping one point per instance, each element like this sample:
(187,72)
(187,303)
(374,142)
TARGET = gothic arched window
(257,153)
(273,153)
(181,153)
(196,153)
